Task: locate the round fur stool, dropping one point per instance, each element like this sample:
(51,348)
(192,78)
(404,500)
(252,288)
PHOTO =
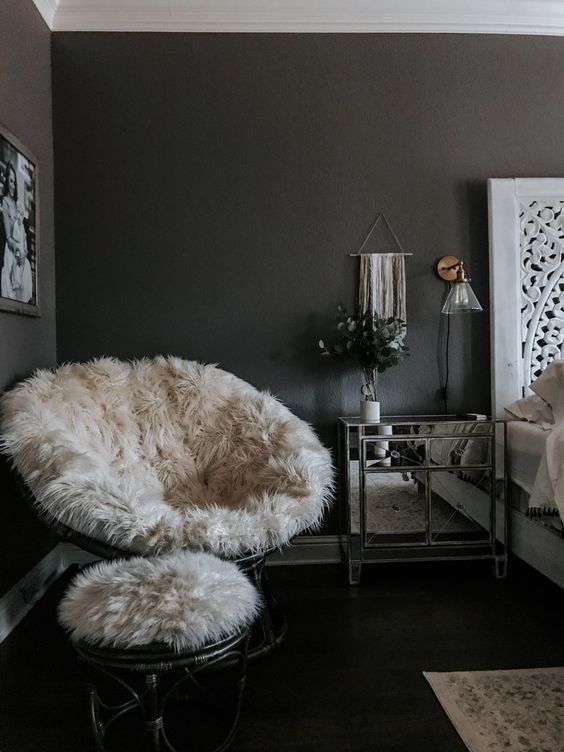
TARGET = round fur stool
(153,633)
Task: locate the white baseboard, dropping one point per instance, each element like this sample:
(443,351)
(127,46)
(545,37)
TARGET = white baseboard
(18,601)
(305,549)
(71,554)
(309,549)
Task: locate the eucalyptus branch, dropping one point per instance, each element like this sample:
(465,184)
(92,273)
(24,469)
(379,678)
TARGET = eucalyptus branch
(377,343)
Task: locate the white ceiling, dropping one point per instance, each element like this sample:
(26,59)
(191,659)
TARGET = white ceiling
(449,16)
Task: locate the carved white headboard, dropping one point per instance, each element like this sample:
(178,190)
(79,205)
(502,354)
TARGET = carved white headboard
(526,220)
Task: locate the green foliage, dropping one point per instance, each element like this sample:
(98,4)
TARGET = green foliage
(377,343)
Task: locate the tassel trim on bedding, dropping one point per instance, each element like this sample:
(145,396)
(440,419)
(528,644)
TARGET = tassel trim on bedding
(540,513)
(536,512)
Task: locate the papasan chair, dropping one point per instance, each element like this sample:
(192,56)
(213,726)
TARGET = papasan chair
(156,455)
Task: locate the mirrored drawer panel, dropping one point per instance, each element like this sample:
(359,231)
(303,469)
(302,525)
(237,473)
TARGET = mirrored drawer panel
(460,451)
(395,453)
(461,506)
(394,510)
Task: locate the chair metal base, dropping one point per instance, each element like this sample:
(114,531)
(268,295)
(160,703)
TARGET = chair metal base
(269,630)
(150,682)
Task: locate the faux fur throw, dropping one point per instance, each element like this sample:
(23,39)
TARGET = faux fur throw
(162,454)
(183,600)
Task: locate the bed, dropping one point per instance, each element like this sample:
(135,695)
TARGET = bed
(526,226)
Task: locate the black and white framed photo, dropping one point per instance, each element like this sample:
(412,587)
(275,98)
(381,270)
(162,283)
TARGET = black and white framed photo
(19,227)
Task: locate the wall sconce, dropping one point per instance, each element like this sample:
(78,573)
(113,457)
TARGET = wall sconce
(461,297)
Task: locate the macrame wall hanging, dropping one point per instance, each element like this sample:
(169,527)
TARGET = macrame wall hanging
(382,272)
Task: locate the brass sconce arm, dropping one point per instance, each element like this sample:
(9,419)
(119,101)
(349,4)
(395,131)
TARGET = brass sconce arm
(451,269)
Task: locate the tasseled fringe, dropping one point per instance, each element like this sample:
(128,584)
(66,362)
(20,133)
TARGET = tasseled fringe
(536,512)
(382,285)
(539,513)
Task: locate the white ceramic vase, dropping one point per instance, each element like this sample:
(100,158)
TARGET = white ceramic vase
(369,411)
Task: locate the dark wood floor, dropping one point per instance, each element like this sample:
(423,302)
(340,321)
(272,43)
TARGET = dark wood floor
(348,677)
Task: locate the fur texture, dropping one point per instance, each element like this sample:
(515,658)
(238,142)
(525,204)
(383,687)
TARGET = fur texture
(183,600)
(162,454)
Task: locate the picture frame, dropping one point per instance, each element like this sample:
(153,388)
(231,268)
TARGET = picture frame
(19,226)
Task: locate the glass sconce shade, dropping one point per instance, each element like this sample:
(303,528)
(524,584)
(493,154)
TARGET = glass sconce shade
(461,298)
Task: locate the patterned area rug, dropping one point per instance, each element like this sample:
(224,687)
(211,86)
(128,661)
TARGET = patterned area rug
(504,711)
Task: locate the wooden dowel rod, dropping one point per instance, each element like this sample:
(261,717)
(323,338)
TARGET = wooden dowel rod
(392,253)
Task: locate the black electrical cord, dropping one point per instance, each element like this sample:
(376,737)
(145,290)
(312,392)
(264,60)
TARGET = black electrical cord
(445,385)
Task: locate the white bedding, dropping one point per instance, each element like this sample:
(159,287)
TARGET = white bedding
(546,408)
(526,444)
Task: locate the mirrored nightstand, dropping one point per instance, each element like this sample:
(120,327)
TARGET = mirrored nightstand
(423,487)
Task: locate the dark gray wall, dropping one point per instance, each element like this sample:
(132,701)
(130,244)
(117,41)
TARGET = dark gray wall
(210,187)
(26,343)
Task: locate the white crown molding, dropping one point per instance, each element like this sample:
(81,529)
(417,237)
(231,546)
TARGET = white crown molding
(543,17)
(48,10)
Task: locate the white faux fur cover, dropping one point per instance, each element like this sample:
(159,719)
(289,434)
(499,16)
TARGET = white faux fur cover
(161,454)
(183,600)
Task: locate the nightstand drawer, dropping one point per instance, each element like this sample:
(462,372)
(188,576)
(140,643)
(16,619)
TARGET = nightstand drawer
(455,451)
(384,453)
